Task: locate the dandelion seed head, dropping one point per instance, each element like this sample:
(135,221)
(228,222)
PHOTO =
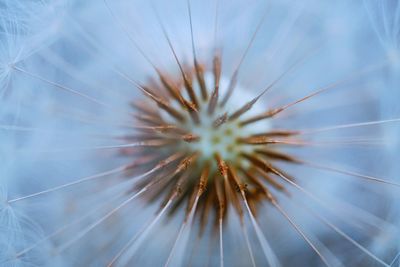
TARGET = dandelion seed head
(209,133)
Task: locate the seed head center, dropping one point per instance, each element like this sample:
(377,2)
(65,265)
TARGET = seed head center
(216,136)
(209,140)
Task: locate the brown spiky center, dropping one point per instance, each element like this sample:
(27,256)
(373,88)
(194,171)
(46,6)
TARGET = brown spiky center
(212,136)
(194,148)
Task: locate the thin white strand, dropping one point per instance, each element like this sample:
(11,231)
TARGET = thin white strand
(57,85)
(85,179)
(312,196)
(89,228)
(268,252)
(396,258)
(147,143)
(350,173)
(345,126)
(188,221)
(348,238)
(246,237)
(125,30)
(365,216)
(107,58)
(142,232)
(303,235)
(65,227)
(283,32)
(221,243)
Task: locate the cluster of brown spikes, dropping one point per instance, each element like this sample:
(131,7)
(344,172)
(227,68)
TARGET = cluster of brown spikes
(175,171)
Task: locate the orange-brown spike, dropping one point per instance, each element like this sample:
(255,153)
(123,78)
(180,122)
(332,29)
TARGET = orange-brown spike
(257,118)
(187,82)
(270,180)
(275,155)
(236,179)
(165,106)
(163,129)
(193,112)
(186,162)
(257,162)
(204,178)
(172,89)
(232,195)
(149,119)
(277,133)
(277,171)
(190,90)
(144,107)
(273,112)
(220,197)
(169,160)
(200,190)
(220,120)
(144,160)
(178,188)
(212,104)
(190,138)
(243,109)
(253,179)
(198,68)
(137,137)
(265,140)
(222,167)
(200,79)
